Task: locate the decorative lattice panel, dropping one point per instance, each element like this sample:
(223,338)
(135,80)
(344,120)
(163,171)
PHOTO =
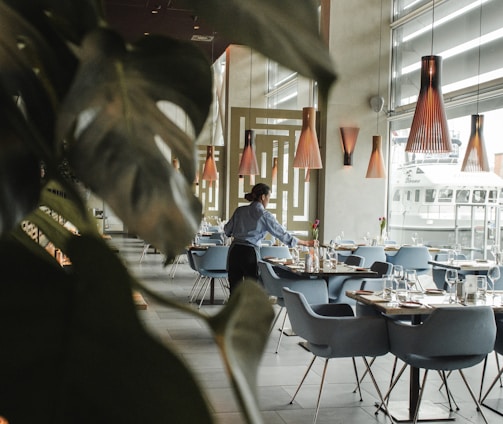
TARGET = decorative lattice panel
(293,200)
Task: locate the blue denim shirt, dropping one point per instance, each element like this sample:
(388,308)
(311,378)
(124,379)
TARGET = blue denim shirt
(249,225)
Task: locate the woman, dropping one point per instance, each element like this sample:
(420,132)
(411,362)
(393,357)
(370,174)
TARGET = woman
(248,226)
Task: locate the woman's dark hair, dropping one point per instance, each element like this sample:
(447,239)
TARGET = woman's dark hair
(257,191)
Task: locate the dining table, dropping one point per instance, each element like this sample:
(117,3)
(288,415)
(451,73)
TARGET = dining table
(468,266)
(341,269)
(421,305)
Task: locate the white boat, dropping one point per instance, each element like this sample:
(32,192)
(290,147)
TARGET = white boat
(444,206)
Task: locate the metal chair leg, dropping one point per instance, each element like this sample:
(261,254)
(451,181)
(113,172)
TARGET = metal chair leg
(303,378)
(473,396)
(319,393)
(281,332)
(421,391)
(357,379)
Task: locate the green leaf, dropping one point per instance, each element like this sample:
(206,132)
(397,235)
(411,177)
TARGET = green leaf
(115,371)
(115,153)
(19,168)
(285,31)
(241,331)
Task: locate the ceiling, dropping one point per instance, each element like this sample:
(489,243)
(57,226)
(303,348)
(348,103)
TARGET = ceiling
(134,18)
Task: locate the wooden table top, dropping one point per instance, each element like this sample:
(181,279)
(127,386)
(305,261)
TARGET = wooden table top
(423,304)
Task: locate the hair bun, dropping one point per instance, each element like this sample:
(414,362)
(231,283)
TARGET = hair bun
(249,196)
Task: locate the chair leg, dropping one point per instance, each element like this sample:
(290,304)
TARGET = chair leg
(482,379)
(420,397)
(194,288)
(145,249)
(357,379)
(321,389)
(500,373)
(207,285)
(390,388)
(371,374)
(303,378)
(444,377)
(364,374)
(275,319)
(281,332)
(473,396)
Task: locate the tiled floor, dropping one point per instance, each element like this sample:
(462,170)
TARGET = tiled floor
(280,373)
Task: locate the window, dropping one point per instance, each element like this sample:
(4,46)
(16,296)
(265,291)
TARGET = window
(445,195)
(472,82)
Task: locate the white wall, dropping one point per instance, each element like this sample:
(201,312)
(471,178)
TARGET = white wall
(351,202)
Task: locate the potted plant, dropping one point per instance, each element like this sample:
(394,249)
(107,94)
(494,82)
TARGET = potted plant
(79,106)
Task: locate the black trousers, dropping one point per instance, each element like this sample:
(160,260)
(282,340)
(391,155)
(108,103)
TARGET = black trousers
(241,264)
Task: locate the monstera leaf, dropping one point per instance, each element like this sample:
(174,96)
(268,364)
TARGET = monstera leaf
(113,107)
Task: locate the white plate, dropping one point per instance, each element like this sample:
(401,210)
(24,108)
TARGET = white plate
(410,305)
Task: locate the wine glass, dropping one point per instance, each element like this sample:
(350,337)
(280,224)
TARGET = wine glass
(493,275)
(414,238)
(410,277)
(398,272)
(295,255)
(451,277)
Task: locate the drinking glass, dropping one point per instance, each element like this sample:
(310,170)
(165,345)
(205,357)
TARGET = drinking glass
(295,255)
(414,238)
(451,255)
(398,272)
(493,275)
(401,291)
(481,286)
(334,257)
(387,287)
(451,277)
(410,277)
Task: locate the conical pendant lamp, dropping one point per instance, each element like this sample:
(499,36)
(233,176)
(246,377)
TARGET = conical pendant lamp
(248,164)
(210,167)
(429,132)
(308,152)
(475,159)
(376,163)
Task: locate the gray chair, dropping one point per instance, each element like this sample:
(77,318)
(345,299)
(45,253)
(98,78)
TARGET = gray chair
(212,267)
(315,291)
(438,273)
(275,252)
(331,331)
(335,283)
(358,283)
(412,257)
(449,339)
(498,349)
(371,254)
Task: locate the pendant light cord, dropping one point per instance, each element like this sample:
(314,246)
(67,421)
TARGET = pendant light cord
(250,96)
(480,42)
(432,25)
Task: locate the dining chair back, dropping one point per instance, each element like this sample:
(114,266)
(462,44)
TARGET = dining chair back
(371,254)
(450,339)
(438,273)
(335,283)
(412,257)
(314,290)
(275,252)
(331,331)
(211,265)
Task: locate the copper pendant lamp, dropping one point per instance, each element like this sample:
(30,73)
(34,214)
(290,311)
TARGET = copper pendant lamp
(308,152)
(210,167)
(248,164)
(429,132)
(376,163)
(274,171)
(349,135)
(475,159)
